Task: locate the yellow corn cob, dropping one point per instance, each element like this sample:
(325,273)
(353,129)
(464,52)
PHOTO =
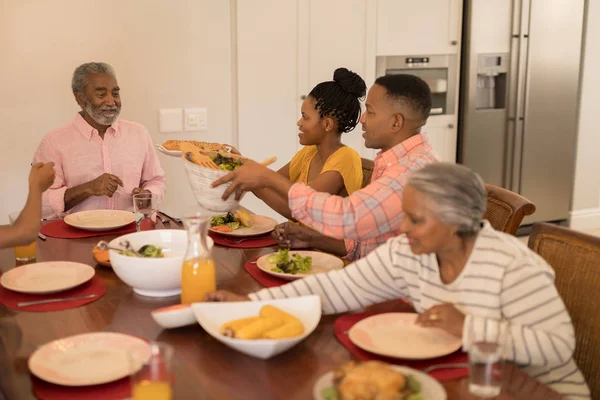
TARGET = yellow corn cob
(244,217)
(271,311)
(290,329)
(257,329)
(231,327)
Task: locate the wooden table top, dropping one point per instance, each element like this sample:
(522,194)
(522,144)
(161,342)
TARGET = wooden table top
(204,368)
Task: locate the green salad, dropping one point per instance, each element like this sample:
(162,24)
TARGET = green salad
(412,391)
(228,220)
(147,251)
(226,163)
(296,264)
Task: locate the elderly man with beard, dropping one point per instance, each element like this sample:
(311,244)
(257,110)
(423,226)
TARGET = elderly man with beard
(100,162)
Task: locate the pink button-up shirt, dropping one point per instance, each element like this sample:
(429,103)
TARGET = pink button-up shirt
(80,155)
(370,216)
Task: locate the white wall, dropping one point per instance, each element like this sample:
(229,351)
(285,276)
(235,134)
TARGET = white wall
(586,194)
(166,54)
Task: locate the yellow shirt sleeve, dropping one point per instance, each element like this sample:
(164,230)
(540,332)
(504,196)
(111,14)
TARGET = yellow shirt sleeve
(347,162)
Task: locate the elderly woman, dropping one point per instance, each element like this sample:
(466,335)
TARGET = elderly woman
(460,275)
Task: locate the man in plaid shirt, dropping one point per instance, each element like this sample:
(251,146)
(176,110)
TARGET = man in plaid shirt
(397,107)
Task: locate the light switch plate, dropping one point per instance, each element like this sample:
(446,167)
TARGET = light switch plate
(171,120)
(195,119)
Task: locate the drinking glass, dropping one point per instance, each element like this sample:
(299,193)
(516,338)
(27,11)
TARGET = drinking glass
(486,360)
(145,207)
(152,378)
(26,252)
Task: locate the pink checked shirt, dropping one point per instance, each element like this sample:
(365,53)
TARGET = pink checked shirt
(370,216)
(80,155)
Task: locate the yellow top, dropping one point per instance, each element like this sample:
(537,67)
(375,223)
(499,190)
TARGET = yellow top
(345,160)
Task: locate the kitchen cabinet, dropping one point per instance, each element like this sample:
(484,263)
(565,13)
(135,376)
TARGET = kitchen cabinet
(423,27)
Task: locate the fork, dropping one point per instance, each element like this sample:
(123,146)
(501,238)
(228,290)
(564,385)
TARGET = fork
(237,241)
(31,303)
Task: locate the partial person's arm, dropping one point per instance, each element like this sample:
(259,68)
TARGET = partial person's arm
(27,225)
(539,329)
(328,182)
(368,281)
(289,235)
(153,176)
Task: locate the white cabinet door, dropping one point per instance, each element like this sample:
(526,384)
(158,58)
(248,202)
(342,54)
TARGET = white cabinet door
(442,134)
(337,38)
(418,27)
(267,63)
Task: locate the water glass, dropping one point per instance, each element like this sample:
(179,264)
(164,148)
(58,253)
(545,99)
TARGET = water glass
(145,206)
(152,377)
(22,253)
(486,359)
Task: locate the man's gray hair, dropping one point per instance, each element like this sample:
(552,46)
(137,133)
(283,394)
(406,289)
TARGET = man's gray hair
(458,194)
(80,74)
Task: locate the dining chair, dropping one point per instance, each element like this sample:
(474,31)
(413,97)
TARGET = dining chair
(575,258)
(367,168)
(505,209)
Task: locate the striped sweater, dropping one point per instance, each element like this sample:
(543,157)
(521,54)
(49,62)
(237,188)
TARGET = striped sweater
(504,285)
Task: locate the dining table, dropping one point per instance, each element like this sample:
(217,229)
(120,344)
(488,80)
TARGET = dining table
(203,367)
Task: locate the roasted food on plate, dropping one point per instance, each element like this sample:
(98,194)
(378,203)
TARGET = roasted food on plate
(372,380)
(202,146)
(271,323)
(231,221)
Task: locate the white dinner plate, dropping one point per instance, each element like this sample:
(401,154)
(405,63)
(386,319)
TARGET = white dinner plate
(88,359)
(397,335)
(321,262)
(430,388)
(100,220)
(47,277)
(172,153)
(261,226)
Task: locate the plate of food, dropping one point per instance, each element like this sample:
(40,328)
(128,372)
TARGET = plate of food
(377,380)
(173,147)
(378,334)
(241,223)
(295,264)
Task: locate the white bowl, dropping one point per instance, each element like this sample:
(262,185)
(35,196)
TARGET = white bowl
(200,179)
(174,316)
(212,315)
(153,277)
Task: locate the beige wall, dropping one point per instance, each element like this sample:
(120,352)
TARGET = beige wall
(165,53)
(586,195)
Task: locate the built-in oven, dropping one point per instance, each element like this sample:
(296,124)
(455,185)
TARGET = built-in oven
(438,71)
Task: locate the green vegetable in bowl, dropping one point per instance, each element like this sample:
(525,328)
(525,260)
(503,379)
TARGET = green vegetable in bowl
(146,251)
(294,265)
(226,163)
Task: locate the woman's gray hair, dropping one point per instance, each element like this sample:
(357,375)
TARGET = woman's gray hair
(458,194)
(80,74)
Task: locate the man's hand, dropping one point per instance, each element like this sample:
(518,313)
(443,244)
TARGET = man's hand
(248,177)
(443,316)
(140,191)
(41,176)
(293,236)
(106,185)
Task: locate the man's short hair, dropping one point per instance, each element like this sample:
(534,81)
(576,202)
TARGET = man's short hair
(408,90)
(80,74)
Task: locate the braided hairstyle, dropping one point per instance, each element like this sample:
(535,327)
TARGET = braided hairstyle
(340,98)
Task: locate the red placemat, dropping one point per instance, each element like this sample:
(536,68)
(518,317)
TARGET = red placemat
(343,324)
(43,390)
(59,229)
(254,242)
(94,286)
(261,277)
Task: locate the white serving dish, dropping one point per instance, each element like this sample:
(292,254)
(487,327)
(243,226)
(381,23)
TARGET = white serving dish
(209,198)
(174,316)
(212,315)
(153,277)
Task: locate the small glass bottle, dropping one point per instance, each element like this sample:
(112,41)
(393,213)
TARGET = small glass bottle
(198,275)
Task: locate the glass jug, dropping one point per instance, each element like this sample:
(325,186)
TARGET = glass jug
(198,275)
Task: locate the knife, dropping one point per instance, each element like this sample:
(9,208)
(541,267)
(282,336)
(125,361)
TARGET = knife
(31,303)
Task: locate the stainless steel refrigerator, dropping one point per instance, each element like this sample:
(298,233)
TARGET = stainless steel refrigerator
(519,98)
